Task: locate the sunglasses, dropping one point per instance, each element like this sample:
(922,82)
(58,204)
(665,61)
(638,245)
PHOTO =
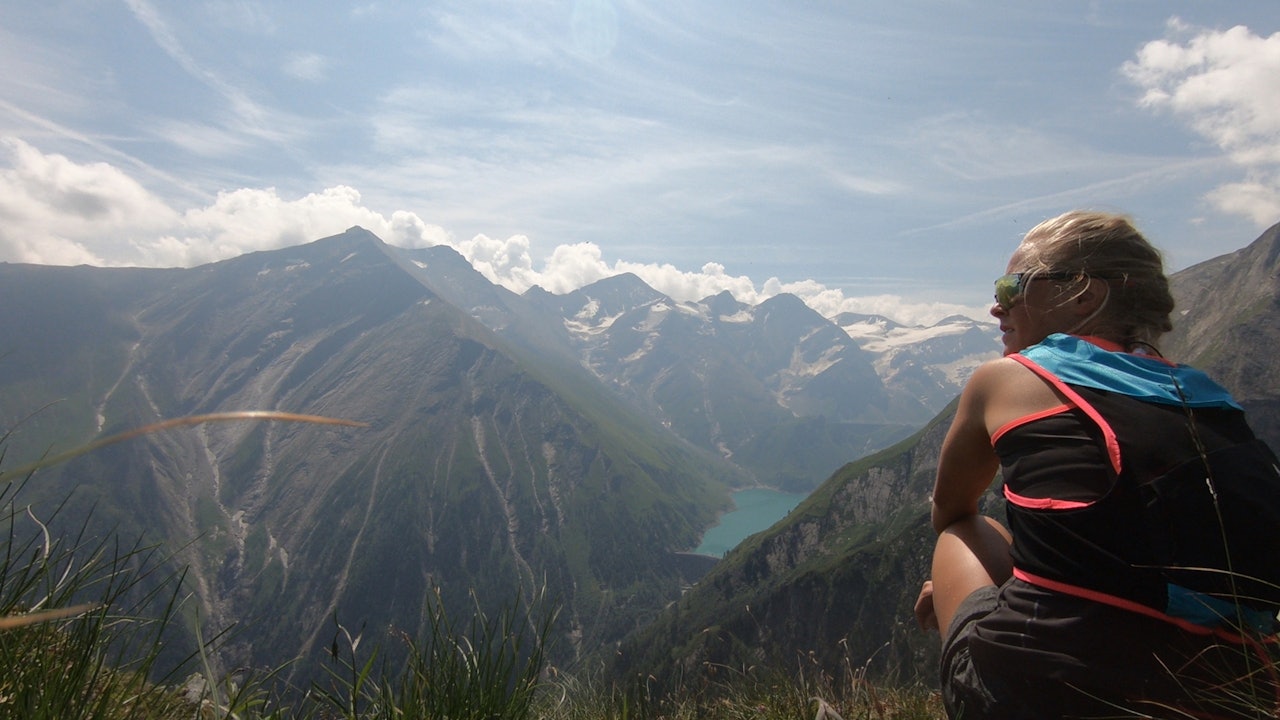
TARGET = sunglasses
(1009,287)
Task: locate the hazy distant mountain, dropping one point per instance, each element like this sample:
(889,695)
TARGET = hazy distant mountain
(834,581)
(930,362)
(775,388)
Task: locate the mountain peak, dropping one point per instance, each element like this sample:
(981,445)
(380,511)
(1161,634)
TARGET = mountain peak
(353,239)
(619,293)
(956,320)
(789,308)
(626,282)
(722,303)
(846,319)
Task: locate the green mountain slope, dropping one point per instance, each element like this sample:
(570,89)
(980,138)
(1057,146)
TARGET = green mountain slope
(829,584)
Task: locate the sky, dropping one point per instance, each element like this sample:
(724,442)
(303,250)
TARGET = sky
(879,157)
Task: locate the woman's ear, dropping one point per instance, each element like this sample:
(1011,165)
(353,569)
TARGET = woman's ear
(1092,298)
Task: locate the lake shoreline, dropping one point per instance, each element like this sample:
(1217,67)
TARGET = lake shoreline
(756,508)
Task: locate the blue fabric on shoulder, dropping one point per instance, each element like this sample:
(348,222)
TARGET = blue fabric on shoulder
(1077,361)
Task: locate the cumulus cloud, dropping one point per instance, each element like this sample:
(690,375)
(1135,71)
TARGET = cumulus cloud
(58,212)
(55,211)
(1223,84)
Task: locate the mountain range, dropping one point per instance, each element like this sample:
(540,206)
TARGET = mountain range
(578,443)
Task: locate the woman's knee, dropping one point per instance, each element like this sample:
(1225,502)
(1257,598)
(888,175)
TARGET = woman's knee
(974,551)
(971,553)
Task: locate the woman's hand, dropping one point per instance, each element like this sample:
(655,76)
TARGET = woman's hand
(925,616)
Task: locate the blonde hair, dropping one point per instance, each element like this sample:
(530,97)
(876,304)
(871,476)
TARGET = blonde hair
(1107,246)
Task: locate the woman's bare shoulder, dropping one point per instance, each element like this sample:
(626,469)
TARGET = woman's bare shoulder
(1000,371)
(1006,390)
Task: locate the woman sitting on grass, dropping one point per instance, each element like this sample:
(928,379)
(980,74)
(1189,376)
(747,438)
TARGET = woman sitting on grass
(1111,593)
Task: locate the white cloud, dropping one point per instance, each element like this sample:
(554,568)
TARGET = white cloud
(1223,84)
(248,117)
(259,219)
(55,211)
(1258,200)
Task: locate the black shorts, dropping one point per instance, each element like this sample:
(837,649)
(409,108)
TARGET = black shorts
(972,691)
(964,693)
(1138,663)
(969,691)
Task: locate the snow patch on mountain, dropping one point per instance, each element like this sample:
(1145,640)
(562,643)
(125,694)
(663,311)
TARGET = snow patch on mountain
(802,368)
(959,370)
(657,314)
(694,310)
(586,323)
(643,351)
(879,337)
(930,363)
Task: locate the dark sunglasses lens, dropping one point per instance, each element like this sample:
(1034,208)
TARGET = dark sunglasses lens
(1008,287)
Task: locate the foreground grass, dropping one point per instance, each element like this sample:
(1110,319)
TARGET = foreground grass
(104,662)
(59,670)
(749,698)
(84,623)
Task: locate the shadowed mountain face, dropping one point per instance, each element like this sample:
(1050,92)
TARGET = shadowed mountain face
(484,468)
(1228,323)
(834,582)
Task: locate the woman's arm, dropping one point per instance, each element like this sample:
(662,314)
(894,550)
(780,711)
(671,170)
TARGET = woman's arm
(968,464)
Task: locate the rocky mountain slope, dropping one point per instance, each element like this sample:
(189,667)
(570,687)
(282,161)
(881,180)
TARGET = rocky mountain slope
(1228,323)
(485,468)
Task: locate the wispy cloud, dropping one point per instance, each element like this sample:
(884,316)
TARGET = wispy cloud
(1156,172)
(245,16)
(103,148)
(249,116)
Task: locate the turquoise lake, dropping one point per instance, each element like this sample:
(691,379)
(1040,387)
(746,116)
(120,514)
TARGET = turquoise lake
(754,510)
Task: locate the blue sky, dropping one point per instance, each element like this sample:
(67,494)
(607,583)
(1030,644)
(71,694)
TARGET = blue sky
(871,156)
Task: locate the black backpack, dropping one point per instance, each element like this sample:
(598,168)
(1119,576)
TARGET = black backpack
(1214,524)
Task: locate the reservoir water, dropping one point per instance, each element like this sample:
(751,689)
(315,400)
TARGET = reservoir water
(754,510)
